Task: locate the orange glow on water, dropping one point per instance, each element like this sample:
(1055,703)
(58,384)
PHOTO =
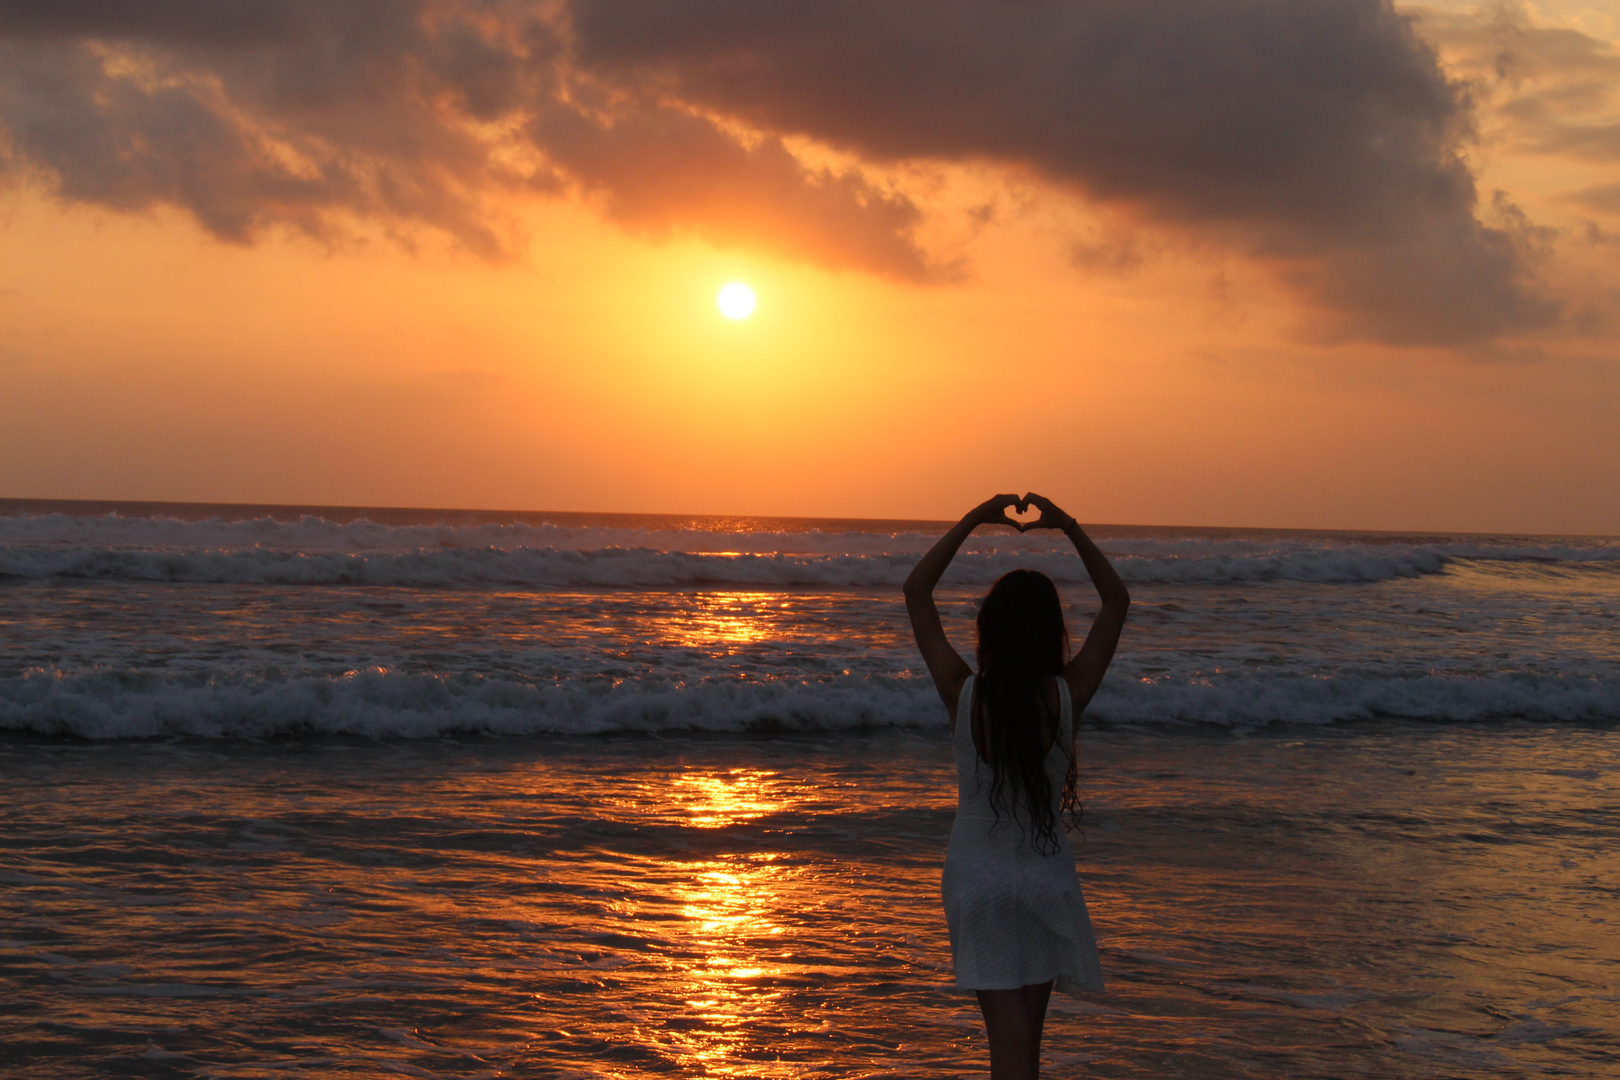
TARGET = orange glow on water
(722,618)
(714,801)
(650,908)
(729,907)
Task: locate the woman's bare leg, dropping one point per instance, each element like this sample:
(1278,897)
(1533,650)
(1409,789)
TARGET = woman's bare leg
(1035,1001)
(1013,1019)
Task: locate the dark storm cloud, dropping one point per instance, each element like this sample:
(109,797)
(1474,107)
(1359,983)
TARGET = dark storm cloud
(250,115)
(206,21)
(1317,134)
(246,114)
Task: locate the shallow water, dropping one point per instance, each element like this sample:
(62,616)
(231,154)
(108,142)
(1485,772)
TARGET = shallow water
(1373,901)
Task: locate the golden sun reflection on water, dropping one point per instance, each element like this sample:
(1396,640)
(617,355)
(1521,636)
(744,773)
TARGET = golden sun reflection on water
(735,618)
(715,800)
(730,907)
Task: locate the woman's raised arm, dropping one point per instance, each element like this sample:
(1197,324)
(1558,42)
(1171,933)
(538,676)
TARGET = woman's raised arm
(946,666)
(1085,672)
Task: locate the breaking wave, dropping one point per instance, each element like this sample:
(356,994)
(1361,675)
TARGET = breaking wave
(378,703)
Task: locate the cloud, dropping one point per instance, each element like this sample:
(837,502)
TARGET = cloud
(313,116)
(246,115)
(1603,198)
(1320,136)
(660,171)
(1550,90)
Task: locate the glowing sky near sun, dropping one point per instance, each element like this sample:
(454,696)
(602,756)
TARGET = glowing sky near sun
(470,288)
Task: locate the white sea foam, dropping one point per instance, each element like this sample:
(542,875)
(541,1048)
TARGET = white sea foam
(379,703)
(385,704)
(1327,699)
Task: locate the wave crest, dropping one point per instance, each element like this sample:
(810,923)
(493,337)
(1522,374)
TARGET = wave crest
(378,703)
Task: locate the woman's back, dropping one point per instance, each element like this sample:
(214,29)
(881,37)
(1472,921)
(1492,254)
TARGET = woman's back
(974,774)
(1016,913)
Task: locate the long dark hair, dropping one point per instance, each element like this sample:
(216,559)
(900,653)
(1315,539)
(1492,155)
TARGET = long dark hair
(1023,645)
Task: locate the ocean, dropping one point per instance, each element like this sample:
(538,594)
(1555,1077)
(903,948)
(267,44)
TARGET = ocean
(326,791)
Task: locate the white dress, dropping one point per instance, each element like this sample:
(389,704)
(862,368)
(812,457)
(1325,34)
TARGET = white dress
(1017,917)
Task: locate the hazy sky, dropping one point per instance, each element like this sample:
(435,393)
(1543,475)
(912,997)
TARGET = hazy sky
(1317,263)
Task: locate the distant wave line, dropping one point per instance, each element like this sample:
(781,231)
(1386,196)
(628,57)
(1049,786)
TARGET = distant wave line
(644,567)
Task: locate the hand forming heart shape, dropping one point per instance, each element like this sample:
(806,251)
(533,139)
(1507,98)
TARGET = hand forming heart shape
(1025,512)
(1020,512)
(998,510)
(1022,515)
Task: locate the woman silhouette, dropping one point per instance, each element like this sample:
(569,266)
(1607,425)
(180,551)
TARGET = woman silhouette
(1017,918)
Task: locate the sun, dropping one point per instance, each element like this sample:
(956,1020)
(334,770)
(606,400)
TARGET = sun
(736,301)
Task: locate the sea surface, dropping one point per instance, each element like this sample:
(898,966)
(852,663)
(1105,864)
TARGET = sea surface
(315,791)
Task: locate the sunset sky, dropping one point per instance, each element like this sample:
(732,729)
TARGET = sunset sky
(1309,263)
